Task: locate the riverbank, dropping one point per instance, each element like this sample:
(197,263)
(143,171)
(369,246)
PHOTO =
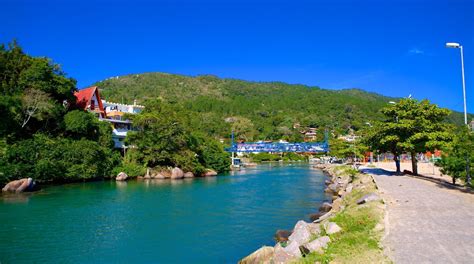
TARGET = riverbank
(347,230)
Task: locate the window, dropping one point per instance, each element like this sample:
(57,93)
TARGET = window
(92,104)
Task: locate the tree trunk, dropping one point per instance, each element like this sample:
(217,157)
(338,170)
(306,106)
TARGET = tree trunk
(397,163)
(414,165)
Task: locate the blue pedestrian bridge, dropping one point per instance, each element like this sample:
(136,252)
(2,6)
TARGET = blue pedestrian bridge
(250,147)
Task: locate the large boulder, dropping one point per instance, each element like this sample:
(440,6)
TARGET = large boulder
(368,198)
(189,175)
(325,207)
(122,176)
(293,248)
(280,255)
(318,245)
(262,256)
(209,173)
(22,185)
(331,228)
(337,205)
(349,188)
(303,231)
(282,235)
(177,173)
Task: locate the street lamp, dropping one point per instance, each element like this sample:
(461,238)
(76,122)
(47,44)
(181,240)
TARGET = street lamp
(458,46)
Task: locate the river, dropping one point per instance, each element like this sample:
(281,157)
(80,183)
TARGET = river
(205,220)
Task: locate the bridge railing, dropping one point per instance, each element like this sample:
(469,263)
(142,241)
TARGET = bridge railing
(312,147)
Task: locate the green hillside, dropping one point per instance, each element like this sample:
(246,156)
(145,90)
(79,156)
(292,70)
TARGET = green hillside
(255,110)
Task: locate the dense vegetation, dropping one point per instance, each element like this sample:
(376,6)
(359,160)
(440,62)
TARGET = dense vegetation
(254,110)
(42,135)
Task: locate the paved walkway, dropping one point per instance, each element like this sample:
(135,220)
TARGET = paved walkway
(428,221)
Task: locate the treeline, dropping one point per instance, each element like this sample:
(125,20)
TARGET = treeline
(254,110)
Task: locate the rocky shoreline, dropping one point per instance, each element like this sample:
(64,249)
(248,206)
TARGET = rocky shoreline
(315,236)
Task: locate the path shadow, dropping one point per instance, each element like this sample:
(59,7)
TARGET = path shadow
(378,172)
(442,183)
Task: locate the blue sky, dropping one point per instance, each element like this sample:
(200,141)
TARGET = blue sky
(395,48)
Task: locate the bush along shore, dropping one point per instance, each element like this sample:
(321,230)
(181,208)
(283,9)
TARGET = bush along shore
(347,230)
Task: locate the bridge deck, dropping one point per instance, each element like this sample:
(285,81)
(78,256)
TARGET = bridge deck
(314,147)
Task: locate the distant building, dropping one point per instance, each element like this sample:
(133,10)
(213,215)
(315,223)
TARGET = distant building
(471,125)
(89,100)
(349,138)
(310,134)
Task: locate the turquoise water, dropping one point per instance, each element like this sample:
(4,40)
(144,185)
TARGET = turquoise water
(206,220)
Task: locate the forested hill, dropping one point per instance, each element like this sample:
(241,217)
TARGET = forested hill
(257,110)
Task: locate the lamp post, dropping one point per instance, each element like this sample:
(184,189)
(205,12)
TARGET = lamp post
(459,46)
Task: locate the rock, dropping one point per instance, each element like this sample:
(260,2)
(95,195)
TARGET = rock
(280,255)
(262,255)
(282,235)
(177,173)
(325,207)
(349,188)
(302,232)
(318,245)
(22,185)
(323,217)
(209,172)
(337,205)
(368,198)
(293,248)
(331,228)
(140,177)
(159,175)
(122,176)
(316,216)
(189,175)
(331,188)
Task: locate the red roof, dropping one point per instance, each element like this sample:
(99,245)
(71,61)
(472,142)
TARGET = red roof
(84,97)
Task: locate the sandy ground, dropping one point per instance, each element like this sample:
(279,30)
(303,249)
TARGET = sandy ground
(428,220)
(425,169)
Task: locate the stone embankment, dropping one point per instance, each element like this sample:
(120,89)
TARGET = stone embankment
(309,239)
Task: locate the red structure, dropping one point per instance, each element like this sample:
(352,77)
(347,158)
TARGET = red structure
(89,100)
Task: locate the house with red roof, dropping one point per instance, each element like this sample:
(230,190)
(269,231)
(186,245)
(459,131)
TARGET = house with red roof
(89,100)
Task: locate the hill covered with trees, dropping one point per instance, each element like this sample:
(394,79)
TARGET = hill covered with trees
(254,110)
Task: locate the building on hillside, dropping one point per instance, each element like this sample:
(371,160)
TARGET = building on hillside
(89,100)
(116,115)
(471,125)
(122,108)
(310,134)
(349,138)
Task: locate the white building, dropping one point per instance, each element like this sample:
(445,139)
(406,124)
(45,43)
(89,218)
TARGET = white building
(116,114)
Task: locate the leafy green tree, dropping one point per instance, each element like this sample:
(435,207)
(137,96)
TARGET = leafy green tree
(458,156)
(410,126)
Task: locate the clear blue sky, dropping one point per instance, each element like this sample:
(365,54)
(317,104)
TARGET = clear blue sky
(391,47)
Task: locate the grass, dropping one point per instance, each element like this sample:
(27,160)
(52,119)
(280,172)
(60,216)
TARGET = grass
(359,240)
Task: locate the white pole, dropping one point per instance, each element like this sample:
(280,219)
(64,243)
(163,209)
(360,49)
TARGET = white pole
(463,85)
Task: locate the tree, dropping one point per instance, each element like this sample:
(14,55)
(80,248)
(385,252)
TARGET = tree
(35,103)
(459,155)
(410,126)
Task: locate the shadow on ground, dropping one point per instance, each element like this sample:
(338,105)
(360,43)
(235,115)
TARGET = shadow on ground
(440,183)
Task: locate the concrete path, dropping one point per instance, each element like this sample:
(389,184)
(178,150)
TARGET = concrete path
(428,221)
